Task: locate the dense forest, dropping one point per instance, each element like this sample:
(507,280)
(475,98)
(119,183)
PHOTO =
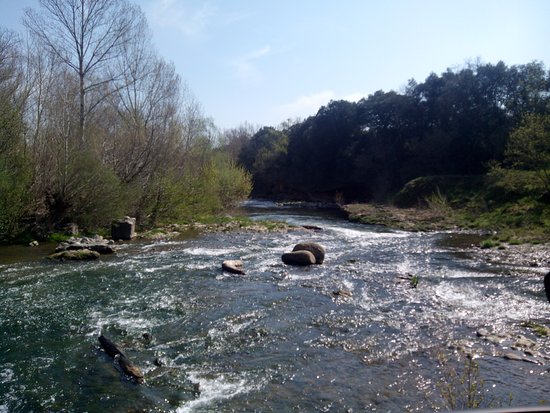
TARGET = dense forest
(483,118)
(94,125)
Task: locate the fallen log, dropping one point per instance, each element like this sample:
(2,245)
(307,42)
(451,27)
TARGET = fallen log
(126,366)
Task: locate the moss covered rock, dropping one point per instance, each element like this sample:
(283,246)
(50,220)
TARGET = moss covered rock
(75,255)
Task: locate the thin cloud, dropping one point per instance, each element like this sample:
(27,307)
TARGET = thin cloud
(308,105)
(246,65)
(304,106)
(172,14)
(354,97)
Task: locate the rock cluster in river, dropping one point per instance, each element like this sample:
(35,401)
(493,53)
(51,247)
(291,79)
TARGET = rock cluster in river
(85,248)
(304,254)
(515,347)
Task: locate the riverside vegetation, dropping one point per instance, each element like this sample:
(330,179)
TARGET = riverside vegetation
(104,127)
(467,148)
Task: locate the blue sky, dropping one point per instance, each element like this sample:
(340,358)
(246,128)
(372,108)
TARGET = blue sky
(266,61)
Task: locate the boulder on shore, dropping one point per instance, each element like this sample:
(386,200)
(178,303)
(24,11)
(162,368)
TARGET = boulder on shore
(124,229)
(316,249)
(233,266)
(299,258)
(75,255)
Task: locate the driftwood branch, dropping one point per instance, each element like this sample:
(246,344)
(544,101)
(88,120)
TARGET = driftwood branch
(127,367)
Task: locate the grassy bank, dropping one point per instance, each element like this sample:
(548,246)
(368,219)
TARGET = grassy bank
(512,208)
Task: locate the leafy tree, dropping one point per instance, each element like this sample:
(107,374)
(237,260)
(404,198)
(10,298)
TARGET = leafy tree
(232,181)
(529,147)
(392,126)
(14,168)
(264,156)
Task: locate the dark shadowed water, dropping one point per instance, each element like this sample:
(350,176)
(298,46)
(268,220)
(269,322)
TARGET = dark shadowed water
(276,339)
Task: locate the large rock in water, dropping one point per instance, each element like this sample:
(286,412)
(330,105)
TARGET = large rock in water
(97,244)
(74,255)
(300,258)
(316,249)
(233,266)
(124,229)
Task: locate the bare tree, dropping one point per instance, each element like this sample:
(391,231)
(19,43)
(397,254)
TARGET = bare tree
(86,35)
(147,112)
(235,138)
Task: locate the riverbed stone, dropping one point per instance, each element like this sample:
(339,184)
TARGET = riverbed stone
(74,255)
(233,266)
(342,293)
(482,332)
(512,356)
(524,342)
(316,249)
(298,258)
(97,244)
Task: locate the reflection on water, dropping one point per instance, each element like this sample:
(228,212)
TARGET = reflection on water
(276,339)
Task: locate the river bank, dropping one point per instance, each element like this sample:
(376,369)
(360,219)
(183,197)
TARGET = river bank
(408,219)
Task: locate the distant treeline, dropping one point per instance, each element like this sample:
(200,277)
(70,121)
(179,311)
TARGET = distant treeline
(456,123)
(94,125)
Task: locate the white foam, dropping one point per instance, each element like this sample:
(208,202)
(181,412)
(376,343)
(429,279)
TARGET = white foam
(210,251)
(469,302)
(161,268)
(214,389)
(6,375)
(99,321)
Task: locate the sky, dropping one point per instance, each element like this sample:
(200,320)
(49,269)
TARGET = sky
(266,61)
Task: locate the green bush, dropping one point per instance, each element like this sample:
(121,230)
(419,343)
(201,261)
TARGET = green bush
(15,195)
(94,194)
(505,185)
(233,183)
(489,243)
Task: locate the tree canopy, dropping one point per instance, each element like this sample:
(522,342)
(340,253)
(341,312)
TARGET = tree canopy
(455,123)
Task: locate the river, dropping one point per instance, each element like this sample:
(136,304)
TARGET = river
(276,339)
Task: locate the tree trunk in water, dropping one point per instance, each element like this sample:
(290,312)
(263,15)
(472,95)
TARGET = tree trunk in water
(127,367)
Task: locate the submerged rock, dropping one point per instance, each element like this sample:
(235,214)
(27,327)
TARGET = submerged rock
(312,227)
(342,293)
(298,258)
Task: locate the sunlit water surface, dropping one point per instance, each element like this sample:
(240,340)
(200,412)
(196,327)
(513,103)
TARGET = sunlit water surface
(276,339)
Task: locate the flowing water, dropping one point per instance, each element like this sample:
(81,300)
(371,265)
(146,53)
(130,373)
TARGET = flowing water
(276,339)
